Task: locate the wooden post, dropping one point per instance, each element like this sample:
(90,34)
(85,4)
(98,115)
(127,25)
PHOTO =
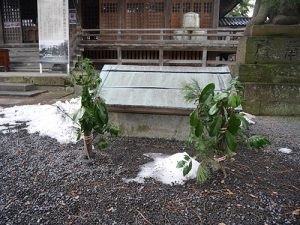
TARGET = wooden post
(161,57)
(119,54)
(216,13)
(161,35)
(204,57)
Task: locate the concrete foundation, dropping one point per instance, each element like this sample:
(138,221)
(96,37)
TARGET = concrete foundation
(151,125)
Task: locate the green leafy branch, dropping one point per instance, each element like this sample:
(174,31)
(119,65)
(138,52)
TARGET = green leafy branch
(216,126)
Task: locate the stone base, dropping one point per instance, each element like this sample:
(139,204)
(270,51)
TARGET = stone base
(270,89)
(268,65)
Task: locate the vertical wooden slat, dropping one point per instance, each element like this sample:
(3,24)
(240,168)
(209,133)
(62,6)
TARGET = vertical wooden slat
(204,57)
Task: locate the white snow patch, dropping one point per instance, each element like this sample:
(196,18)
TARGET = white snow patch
(164,169)
(47,120)
(285,150)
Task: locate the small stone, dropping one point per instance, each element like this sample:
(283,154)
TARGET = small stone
(285,150)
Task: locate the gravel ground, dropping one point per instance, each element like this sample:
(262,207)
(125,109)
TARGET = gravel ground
(44,182)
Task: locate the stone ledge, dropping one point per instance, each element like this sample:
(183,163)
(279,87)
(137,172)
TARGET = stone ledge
(272,92)
(271,50)
(275,30)
(269,73)
(273,108)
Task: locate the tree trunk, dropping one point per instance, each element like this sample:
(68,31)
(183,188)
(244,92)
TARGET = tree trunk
(88,145)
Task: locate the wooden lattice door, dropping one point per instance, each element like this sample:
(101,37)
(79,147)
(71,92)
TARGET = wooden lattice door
(154,14)
(11,16)
(109,14)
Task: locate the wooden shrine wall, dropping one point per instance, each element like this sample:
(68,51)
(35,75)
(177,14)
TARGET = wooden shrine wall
(137,14)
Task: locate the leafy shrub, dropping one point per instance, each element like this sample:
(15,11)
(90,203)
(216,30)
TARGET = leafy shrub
(93,114)
(216,126)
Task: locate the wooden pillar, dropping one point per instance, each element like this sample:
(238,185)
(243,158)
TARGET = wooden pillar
(204,57)
(161,57)
(119,54)
(122,14)
(216,13)
(167,12)
(1,27)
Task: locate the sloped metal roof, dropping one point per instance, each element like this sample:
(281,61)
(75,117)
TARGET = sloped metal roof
(234,21)
(154,86)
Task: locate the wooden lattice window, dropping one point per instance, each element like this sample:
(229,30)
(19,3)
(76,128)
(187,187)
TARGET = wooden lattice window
(208,7)
(109,7)
(155,7)
(197,7)
(135,7)
(154,15)
(176,7)
(186,7)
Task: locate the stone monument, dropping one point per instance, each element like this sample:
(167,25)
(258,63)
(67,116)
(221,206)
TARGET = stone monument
(268,63)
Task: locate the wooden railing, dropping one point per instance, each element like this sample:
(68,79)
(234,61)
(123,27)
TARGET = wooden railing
(163,40)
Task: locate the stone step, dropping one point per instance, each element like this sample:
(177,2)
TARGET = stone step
(22,93)
(16,87)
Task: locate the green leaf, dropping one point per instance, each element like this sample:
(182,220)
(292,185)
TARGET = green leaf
(244,122)
(199,129)
(234,124)
(215,126)
(213,110)
(186,157)
(220,96)
(231,141)
(202,173)
(194,118)
(114,130)
(77,116)
(229,153)
(187,169)
(102,144)
(206,92)
(191,91)
(257,141)
(78,134)
(234,101)
(180,164)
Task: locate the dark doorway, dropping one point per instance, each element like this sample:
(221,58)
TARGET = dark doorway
(29,17)
(90,14)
